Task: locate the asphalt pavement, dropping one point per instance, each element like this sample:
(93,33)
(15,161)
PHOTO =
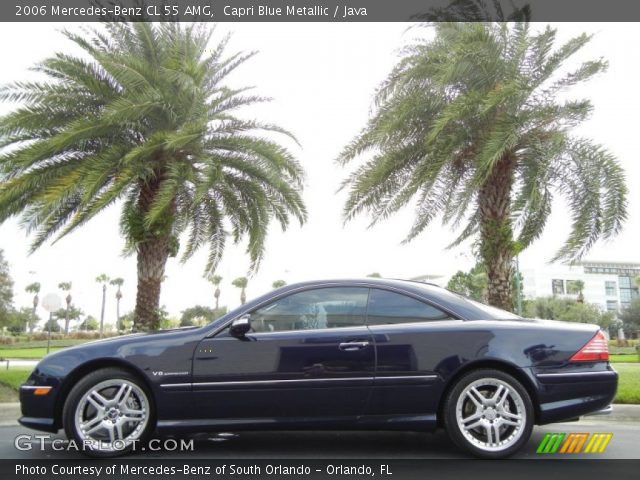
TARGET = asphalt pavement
(343,445)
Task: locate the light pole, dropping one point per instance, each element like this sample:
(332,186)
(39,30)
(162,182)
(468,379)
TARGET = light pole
(51,302)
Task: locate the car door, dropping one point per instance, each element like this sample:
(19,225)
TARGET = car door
(412,340)
(308,356)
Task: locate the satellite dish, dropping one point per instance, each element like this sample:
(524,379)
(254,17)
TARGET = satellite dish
(51,302)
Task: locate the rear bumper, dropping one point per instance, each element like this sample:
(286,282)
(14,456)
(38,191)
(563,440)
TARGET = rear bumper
(566,395)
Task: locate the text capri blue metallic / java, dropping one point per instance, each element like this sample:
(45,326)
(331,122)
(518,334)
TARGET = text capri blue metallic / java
(341,354)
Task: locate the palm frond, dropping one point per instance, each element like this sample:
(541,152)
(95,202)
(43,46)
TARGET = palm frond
(144,118)
(474,100)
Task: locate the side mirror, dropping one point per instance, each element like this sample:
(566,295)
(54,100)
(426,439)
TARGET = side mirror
(240,326)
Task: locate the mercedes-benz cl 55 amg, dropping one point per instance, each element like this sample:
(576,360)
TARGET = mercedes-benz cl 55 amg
(339,354)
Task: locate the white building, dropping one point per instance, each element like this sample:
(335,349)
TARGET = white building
(611,285)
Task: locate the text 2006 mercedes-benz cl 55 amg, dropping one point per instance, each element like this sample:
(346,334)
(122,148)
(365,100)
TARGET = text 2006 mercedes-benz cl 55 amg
(339,354)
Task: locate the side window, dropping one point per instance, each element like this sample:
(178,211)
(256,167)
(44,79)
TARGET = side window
(332,307)
(388,308)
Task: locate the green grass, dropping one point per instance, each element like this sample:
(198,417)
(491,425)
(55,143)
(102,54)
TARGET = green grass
(66,342)
(26,353)
(35,350)
(628,384)
(7,394)
(623,358)
(614,349)
(14,377)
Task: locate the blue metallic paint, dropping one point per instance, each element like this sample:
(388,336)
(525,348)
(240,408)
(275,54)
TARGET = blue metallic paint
(396,382)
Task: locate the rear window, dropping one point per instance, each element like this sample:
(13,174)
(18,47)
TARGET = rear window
(493,312)
(488,312)
(389,308)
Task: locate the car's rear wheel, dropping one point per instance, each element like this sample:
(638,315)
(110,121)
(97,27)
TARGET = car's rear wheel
(108,413)
(489,414)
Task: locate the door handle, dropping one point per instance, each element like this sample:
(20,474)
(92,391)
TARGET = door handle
(352,346)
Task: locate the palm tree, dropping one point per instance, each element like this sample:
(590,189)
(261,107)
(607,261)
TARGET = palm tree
(35,289)
(468,127)
(66,287)
(103,280)
(70,313)
(216,279)
(144,120)
(6,295)
(241,283)
(118,282)
(477,11)
(278,284)
(579,285)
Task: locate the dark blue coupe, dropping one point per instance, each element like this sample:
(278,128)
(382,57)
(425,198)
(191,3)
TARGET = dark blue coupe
(344,354)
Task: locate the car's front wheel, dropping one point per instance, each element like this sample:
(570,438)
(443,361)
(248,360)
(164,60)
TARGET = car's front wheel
(108,413)
(489,414)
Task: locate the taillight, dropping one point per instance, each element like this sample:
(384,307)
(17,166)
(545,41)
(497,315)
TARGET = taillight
(596,350)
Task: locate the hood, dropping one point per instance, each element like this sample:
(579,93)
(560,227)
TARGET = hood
(137,335)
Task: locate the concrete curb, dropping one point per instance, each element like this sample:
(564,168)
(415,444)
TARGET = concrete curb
(9,413)
(622,413)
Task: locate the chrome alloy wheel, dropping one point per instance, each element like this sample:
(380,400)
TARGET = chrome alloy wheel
(491,414)
(112,415)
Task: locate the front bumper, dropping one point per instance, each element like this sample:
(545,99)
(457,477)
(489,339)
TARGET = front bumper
(38,410)
(37,423)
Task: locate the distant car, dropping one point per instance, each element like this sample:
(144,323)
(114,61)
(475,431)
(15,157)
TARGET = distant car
(346,354)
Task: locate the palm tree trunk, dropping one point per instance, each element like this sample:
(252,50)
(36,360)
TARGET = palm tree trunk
(104,299)
(66,321)
(118,314)
(153,253)
(496,233)
(32,320)
(152,257)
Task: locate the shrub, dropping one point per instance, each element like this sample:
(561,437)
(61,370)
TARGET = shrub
(80,335)
(39,336)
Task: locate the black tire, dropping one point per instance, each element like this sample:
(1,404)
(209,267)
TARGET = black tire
(86,385)
(475,445)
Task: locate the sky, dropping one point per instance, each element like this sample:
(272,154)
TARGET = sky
(321,77)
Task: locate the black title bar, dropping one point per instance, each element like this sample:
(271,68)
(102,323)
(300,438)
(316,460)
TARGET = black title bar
(318,10)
